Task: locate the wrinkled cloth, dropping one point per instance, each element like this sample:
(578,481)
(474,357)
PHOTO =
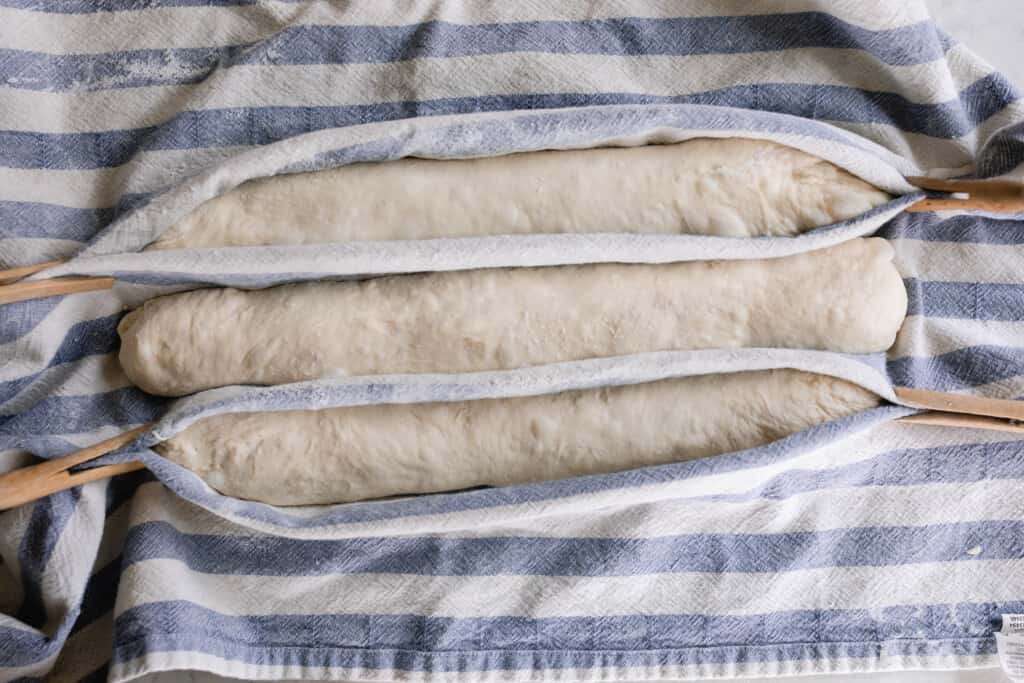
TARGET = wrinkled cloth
(860,545)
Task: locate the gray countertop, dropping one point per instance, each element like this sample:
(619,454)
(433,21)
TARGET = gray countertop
(992,29)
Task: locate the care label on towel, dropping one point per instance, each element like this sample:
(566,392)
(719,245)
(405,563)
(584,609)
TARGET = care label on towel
(1010,644)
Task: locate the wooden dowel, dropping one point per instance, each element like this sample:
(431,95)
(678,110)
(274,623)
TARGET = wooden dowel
(998,196)
(40,289)
(940,419)
(15,274)
(38,481)
(1009,187)
(959,403)
(55,484)
(993,204)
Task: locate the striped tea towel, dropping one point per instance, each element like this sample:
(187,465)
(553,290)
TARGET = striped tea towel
(861,545)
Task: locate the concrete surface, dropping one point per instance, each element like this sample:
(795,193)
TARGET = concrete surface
(992,29)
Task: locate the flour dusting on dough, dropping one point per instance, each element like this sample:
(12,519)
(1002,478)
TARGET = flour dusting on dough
(347,454)
(848,298)
(730,187)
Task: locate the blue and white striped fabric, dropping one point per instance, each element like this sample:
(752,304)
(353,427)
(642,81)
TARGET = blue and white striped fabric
(860,545)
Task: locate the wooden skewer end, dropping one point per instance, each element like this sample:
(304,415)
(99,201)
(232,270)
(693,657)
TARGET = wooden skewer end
(38,481)
(40,289)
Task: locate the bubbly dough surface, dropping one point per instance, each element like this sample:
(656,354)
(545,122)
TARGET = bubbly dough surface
(729,187)
(348,454)
(848,298)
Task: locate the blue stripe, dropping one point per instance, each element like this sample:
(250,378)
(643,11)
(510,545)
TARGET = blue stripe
(97,6)
(293,45)
(960,369)
(417,643)
(1003,152)
(21,317)
(87,72)
(963,229)
(71,414)
(965,300)
(25,149)
(87,338)
(442,556)
(49,518)
(963,463)
(264,125)
(36,219)
(55,221)
(19,647)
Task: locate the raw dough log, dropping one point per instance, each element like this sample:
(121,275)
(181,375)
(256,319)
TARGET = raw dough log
(347,454)
(847,298)
(731,187)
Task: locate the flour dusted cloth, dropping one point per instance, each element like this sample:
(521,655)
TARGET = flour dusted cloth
(860,545)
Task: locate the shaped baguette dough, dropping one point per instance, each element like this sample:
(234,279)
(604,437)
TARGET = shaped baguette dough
(347,454)
(730,187)
(847,298)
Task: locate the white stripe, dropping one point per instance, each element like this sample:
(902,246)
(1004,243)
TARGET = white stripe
(183,27)
(84,189)
(155,28)
(922,336)
(32,352)
(959,261)
(964,67)
(117,525)
(813,511)
(939,157)
(25,251)
(100,188)
(164,667)
(12,531)
(1009,388)
(90,375)
(310,85)
(67,571)
(731,594)
(45,111)
(874,14)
